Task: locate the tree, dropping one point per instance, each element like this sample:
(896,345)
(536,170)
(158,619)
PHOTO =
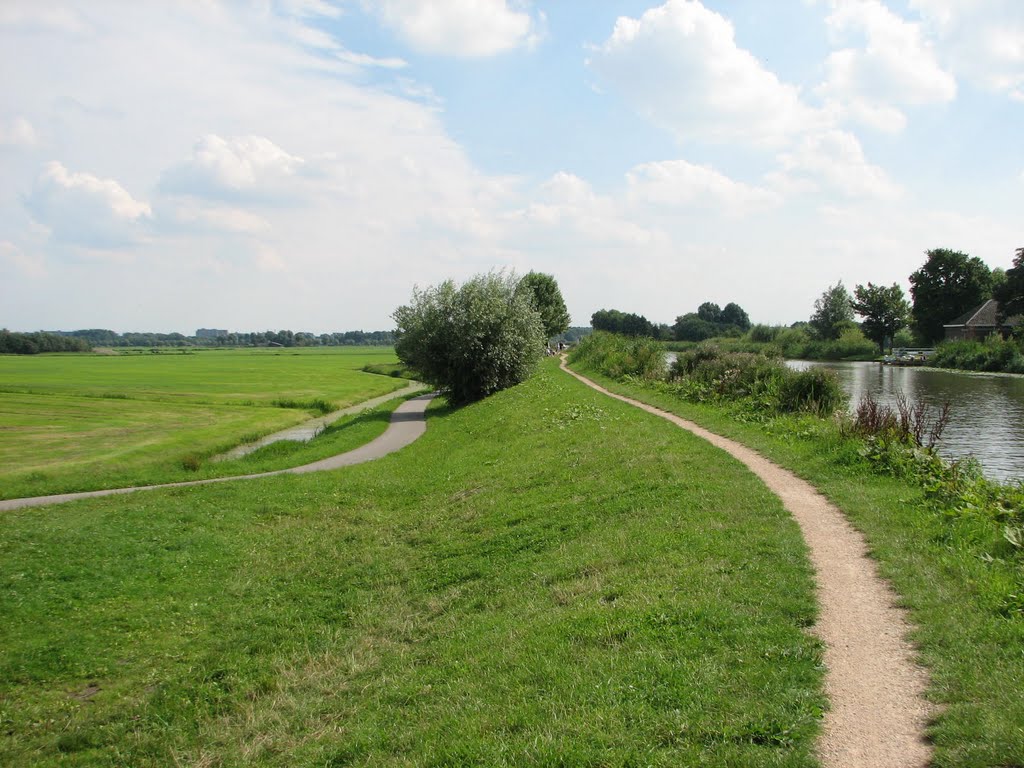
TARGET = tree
(710,312)
(833,312)
(473,340)
(885,311)
(949,284)
(734,315)
(614,321)
(547,299)
(690,327)
(1010,294)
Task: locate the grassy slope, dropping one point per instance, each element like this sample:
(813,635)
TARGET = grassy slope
(546,578)
(74,431)
(952,575)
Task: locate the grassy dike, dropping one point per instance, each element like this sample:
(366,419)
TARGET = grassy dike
(547,577)
(957,575)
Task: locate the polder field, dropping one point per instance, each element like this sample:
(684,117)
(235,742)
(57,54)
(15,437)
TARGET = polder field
(83,422)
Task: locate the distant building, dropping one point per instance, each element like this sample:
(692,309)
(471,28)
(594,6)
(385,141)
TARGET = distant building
(210,333)
(980,322)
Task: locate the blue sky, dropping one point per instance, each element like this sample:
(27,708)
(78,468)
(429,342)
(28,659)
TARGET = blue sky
(304,163)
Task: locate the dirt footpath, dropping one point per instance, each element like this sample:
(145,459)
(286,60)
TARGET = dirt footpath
(878,712)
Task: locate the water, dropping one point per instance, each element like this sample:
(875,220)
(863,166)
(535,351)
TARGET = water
(987,418)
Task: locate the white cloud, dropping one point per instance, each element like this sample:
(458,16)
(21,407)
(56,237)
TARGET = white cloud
(203,216)
(568,202)
(836,160)
(895,65)
(679,183)
(461,28)
(82,209)
(680,66)
(984,41)
(14,258)
(249,167)
(17,132)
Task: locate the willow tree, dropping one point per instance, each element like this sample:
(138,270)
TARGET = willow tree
(473,340)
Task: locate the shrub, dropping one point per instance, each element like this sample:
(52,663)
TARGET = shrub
(616,356)
(473,340)
(993,354)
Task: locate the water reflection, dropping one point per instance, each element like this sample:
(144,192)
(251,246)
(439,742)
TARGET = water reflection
(987,419)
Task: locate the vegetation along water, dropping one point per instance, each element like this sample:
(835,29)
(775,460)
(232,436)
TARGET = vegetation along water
(950,541)
(986,415)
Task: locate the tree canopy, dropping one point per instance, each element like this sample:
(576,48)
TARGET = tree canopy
(885,311)
(947,285)
(711,320)
(543,292)
(473,340)
(833,312)
(1010,293)
(626,323)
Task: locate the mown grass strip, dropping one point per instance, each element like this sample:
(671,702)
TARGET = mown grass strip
(545,578)
(56,443)
(956,575)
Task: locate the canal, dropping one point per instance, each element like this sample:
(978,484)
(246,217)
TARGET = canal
(987,419)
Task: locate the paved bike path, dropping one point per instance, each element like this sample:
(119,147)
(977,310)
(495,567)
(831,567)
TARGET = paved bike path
(408,422)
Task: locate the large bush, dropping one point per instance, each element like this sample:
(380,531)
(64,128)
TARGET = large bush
(616,355)
(765,383)
(473,340)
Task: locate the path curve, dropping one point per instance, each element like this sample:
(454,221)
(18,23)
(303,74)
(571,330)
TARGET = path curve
(878,713)
(408,422)
(307,430)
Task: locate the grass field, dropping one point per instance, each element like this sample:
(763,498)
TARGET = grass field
(958,576)
(81,422)
(547,577)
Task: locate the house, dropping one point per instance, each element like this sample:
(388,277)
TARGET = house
(980,322)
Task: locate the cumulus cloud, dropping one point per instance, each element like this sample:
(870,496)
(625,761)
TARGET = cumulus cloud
(983,41)
(894,65)
(14,258)
(835,160)
(680,183)
(239,167)
(680,66)
(461,28)
(569,203)
(17,132)
(85,210)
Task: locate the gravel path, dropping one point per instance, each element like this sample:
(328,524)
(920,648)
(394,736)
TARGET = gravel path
(407,423)
(878,713)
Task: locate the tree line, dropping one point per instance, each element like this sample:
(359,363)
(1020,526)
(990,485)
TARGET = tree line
(707,322)
(89,338)
(948,285)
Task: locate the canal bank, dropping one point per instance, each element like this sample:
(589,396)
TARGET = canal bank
(987,417)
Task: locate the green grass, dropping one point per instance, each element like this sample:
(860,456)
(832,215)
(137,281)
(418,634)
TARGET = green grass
(547,577)
(227,376)
(78,422)
(956,575)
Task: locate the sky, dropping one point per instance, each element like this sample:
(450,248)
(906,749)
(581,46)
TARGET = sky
(304,164)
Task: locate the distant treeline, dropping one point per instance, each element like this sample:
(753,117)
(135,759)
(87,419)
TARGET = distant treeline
(34,343)
(83,340)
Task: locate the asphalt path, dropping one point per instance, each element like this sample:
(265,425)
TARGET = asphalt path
(408,422)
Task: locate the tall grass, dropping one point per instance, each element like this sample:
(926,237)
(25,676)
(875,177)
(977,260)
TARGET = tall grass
(793,344)
(993,354)
(616,355)
(709,373)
